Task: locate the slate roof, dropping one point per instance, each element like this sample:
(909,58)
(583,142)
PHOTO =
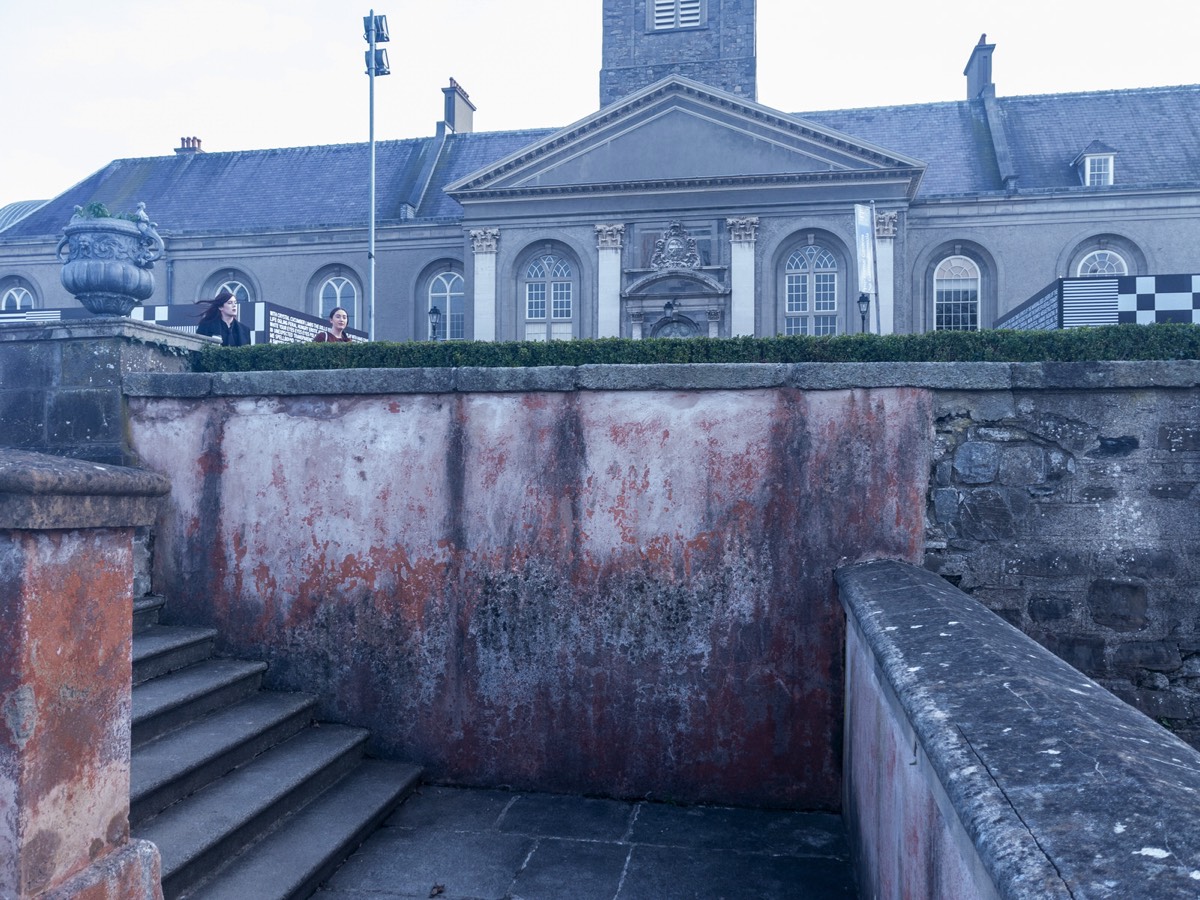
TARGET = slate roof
(14,212)
(1154,131)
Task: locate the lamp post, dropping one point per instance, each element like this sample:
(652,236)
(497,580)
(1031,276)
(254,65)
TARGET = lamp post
(864,304)
(435,319)
(375,32)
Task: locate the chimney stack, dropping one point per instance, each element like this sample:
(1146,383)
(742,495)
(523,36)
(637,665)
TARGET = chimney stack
(979,70)
(459,116)
(188,145)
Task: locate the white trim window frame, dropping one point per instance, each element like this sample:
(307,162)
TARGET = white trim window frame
(811,292)
(957,283)
(1102,264)
(1098,170)
(338,290)
(549,299)
(448,293)
(17,298)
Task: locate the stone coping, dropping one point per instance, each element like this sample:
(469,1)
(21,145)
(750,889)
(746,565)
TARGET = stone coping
(1050,775)
(697,376)
(39,492)
(102,327)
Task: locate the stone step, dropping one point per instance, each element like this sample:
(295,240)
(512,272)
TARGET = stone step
(169,701)
(146,611)
(293,860)
(197,834)
(158,649)
(182,761)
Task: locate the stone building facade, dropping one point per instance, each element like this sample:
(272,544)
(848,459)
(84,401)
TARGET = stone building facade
(682,206)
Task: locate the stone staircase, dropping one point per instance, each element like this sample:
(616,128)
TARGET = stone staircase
(245,795)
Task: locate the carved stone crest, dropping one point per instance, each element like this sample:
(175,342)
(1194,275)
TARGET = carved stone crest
(676,249)
(609,236)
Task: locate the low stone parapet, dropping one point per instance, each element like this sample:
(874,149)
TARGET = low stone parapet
(978,764)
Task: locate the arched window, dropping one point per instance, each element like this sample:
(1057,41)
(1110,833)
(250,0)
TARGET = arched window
(549,297)
(1102,263)
(16,298)
(239,290)
(811,292)
(956,295)
(447,294)
(339,290)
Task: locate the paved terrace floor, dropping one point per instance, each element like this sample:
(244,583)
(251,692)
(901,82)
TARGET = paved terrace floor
(462,844)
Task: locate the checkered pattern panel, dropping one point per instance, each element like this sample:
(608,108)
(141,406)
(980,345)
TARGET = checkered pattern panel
(1147,299)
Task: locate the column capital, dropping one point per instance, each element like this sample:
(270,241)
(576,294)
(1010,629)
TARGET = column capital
(610,236)
(485,240)
(743,228)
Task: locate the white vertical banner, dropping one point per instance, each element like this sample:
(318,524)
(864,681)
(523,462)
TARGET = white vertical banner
(864,236)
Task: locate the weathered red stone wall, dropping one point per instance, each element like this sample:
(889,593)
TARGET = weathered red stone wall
(621,592)
(65,613)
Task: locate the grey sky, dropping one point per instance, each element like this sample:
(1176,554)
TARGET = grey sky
(84,82)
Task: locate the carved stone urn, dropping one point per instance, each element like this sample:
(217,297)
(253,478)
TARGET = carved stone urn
(107,259)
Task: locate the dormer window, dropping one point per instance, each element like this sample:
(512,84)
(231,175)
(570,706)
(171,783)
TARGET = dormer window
(667,15)
(1096,165)
(1099,171)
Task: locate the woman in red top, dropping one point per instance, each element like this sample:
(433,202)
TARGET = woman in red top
(338,319)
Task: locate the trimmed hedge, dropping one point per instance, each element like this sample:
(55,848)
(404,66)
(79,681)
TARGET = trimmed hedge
(1111,342)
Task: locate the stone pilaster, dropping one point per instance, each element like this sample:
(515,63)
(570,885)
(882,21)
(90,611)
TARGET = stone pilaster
(484,243)
(885,265)
(609,240)
(743,234)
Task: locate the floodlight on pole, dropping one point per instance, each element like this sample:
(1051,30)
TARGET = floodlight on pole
(374,32)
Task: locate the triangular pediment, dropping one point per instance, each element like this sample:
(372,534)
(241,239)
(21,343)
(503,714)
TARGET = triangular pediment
(680,132)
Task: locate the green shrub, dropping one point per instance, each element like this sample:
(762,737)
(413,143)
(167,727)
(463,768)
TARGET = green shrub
(1111,342)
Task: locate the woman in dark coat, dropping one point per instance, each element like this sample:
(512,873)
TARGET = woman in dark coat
(220,320)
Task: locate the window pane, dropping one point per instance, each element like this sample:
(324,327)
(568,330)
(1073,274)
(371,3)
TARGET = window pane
(795,325)
(824,324)
(825,291)
(797,293)
(535,301)
(561,299)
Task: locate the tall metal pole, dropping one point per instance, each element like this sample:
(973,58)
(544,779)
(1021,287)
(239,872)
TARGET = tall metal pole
(371,178)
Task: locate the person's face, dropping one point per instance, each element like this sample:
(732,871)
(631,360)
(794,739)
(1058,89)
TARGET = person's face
(339,319)
(229,307)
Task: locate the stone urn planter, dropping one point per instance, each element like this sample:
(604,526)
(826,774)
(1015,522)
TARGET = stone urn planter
(107,259)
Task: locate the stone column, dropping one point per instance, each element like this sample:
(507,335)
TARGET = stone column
(743,233)
(608,290)
(66,622)
(885,265)
(484,242)
(637,319)
(714,322)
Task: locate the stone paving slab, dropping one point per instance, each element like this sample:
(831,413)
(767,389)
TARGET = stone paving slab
(467,844)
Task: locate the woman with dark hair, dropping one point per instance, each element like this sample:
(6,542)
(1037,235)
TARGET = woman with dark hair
(220,320)
(338,319)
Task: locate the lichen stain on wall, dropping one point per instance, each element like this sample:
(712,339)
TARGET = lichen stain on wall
(622,593)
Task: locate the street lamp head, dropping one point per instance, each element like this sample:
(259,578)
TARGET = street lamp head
(864,304)
(669,308)
(435,319)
